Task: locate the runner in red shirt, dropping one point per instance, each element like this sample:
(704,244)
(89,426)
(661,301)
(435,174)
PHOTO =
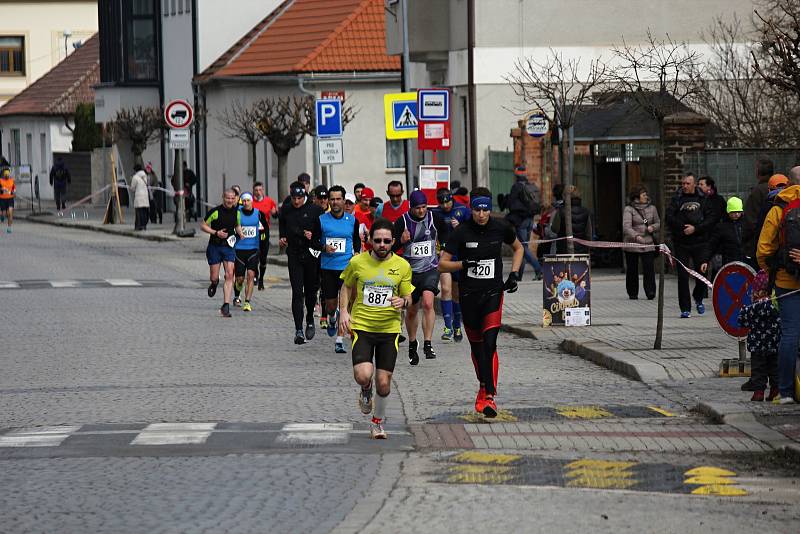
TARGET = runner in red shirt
(395,207)
(267,206)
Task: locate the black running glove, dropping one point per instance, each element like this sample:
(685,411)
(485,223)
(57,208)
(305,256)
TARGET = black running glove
(511,283)
(466,265)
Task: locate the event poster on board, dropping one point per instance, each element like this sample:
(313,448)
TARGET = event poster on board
(567,284)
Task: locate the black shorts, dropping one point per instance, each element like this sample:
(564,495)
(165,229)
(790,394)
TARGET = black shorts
(6,203)
(331,283)
(246,260)
(383,347)
(427,281)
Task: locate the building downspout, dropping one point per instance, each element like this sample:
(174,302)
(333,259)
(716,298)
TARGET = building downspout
(317,171)
(473,145)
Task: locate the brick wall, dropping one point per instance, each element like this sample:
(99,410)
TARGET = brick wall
(683,133)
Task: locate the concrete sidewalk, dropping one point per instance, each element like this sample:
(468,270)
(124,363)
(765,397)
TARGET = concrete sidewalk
(621,339)
(91,218)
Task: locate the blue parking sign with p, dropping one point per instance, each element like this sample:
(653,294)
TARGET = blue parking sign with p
(329,117)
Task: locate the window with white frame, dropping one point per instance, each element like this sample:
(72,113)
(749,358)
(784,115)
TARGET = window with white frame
(395,155)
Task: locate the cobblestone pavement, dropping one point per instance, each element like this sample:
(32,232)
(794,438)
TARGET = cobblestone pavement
(137,408)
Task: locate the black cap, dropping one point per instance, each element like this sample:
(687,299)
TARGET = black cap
(320,192)
(444,196)
(297,191)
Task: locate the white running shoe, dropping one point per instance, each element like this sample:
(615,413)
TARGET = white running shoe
(376,430)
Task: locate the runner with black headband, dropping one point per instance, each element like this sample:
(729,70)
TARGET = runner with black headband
(478,245)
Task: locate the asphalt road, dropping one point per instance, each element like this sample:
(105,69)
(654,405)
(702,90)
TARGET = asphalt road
(128,405)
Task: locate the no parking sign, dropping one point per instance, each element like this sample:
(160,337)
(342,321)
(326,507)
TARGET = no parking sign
(731,293)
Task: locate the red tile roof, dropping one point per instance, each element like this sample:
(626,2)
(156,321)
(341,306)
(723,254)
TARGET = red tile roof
(63,87)
(312,36)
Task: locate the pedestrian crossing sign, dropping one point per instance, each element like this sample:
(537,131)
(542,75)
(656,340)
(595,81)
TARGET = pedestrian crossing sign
(400,113)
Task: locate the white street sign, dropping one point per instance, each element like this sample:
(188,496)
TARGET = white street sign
(178,139)
(330,151)
(537,125)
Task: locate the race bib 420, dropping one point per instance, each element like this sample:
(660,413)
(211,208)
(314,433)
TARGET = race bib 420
(377,296)
(483,271)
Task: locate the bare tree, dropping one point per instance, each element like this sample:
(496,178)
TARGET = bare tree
(285,121)
(240,121)
(559,88)
(778,30)
(141,126)
(747,110)
(661,75)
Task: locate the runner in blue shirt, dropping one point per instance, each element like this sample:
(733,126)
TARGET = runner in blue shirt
(335,234)
(252,228)
(453,215)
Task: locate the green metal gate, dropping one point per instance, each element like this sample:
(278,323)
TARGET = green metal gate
(501,172)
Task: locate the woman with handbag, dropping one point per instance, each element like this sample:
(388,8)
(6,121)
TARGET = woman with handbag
(640,225)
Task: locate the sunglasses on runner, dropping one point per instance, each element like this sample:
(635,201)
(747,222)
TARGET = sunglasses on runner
(382,241)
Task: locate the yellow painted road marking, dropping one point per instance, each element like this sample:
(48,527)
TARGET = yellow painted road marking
(705,479)
(710,471)
(713,481)
(720,490)
(662,411)
(477,457)
(583,412)
(485,474)
(600,474)
(503,416)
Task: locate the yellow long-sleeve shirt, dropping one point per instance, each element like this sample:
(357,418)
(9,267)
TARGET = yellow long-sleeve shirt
(769,240)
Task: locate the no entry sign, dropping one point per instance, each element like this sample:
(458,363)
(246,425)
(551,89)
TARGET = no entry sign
(731,293)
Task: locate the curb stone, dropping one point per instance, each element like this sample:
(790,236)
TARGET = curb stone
(103,229)
(616,360)
(746,422)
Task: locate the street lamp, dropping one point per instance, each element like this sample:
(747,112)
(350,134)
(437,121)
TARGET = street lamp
(67,35)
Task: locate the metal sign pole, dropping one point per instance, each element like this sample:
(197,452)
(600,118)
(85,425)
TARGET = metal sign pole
(180,227)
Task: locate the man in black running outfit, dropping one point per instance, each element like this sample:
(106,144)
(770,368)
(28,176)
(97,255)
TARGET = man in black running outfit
(296,223)
(478,244)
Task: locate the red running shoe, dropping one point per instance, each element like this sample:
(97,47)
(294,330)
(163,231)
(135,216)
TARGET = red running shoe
(758,396)
(489,408)
(480,400)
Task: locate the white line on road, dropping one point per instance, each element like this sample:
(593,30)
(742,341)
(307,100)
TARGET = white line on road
(65,283)
(122,282)
(316,427)
(171,438)
(46,436)
(9,285)
(314,438)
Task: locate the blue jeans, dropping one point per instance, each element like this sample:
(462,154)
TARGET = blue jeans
(790,335)
(524,234)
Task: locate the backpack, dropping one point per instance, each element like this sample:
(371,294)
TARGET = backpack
(789,237)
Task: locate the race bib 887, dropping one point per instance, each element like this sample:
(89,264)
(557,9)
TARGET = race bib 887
(377,296)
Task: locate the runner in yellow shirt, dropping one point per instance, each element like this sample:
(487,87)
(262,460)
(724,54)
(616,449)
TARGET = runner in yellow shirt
(381,283)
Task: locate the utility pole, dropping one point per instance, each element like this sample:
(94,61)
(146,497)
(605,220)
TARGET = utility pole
(406,82)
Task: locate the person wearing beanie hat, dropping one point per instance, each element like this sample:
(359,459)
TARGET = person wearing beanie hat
(763,339)
(417,233)
(296,223)
(726,239)
(777,181)
(362,205)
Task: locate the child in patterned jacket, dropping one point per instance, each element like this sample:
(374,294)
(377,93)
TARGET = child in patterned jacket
(764,323)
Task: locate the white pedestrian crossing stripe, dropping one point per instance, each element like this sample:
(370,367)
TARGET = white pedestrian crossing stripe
(123,282)
(9,285)
(65,283)
(315,433)
(46,436)
(174,434)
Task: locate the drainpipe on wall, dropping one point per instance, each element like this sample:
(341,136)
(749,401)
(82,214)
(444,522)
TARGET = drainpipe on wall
(317,170)
(473,145)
